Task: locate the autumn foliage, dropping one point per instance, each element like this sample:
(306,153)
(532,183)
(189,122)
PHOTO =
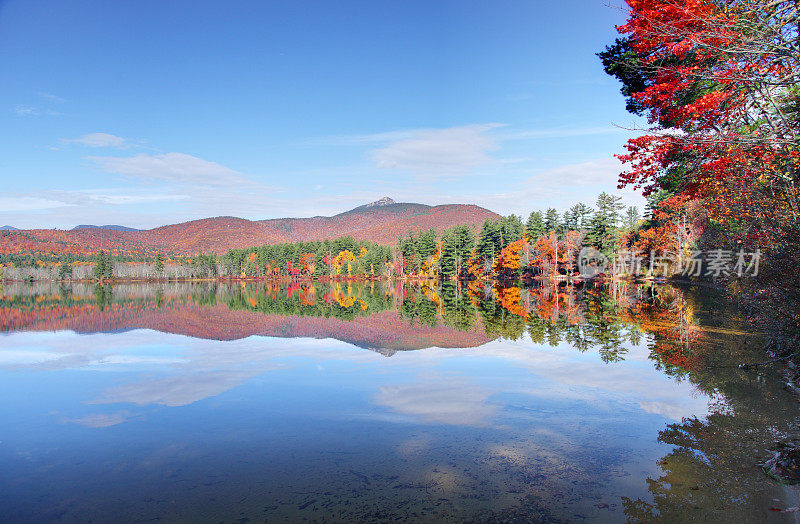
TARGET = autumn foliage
(717,81)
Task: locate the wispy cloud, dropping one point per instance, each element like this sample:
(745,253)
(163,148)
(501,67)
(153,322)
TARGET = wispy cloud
(101,420)
(112,197)
(508,133)
(30,111)
(11,204)
(560,132)
(51,97)
(432,152)
(452,401)
(180,390)
(98,140)
(599,171)
(62,205)
(559,187)
(171,167)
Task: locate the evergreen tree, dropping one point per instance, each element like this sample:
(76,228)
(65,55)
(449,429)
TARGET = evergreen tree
(159,264)
(457,244)
(571,219)
(535,226)
(603,230)
(488,245)
(584,215)
(104,266)
(631,218)
(511,229)
(552,221)
(426,244)
(65,268)
(408,248)
(207,264)
(654,200)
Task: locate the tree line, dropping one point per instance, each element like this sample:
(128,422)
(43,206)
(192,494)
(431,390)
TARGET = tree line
(547,243)
(718,82)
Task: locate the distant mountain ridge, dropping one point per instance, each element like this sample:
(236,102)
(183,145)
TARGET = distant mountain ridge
(112,227)
(385,201)
(382,221)
(8,228)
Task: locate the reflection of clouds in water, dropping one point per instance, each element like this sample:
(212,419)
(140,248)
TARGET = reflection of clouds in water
(52,351)
(583,376)
(415,445)
(178,390)
(442,400)
(195,369)
(508,453)
(101,420)
(665,409)
(17,358)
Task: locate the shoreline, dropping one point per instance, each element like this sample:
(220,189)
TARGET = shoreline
(362,278)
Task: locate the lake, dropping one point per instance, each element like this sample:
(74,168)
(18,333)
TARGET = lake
(378,402)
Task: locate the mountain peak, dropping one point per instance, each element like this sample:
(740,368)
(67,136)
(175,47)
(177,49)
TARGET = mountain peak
(385,201)
(110,226)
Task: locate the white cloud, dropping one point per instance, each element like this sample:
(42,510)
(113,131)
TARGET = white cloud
(179,390)
(97,140)
(171,167)
(56,199)
(127,199)
(34,111)
(113,197)
(601,171)
(26,111)
(559,187)
(101,420)
(452,401)
(51,97)
(562,132)
(27,203)
(432,152)
(510,134)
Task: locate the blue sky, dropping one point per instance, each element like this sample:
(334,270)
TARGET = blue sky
(145,113)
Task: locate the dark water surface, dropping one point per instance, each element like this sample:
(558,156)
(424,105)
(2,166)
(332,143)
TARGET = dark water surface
(368,402)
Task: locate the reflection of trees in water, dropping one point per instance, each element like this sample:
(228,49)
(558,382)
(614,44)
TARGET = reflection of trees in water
(603,318)
(710,475)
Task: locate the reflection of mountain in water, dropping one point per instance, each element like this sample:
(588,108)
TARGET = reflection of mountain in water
(711,473)
(219,314)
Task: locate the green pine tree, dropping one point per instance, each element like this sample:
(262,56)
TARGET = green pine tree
(631,218)
(159,264)
(534,227)
(104,266)
(603,230)
(552,221)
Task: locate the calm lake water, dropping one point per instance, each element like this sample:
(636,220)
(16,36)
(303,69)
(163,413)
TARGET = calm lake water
(364,402)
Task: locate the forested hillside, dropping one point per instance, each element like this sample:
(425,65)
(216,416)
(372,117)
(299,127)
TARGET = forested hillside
(382,224)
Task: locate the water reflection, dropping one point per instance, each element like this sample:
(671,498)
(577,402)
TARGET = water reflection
(557,402)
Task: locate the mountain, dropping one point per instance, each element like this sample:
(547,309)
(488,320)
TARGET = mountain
(385,201)
(385,332)
(8,228)
(112,227)
(382,221)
